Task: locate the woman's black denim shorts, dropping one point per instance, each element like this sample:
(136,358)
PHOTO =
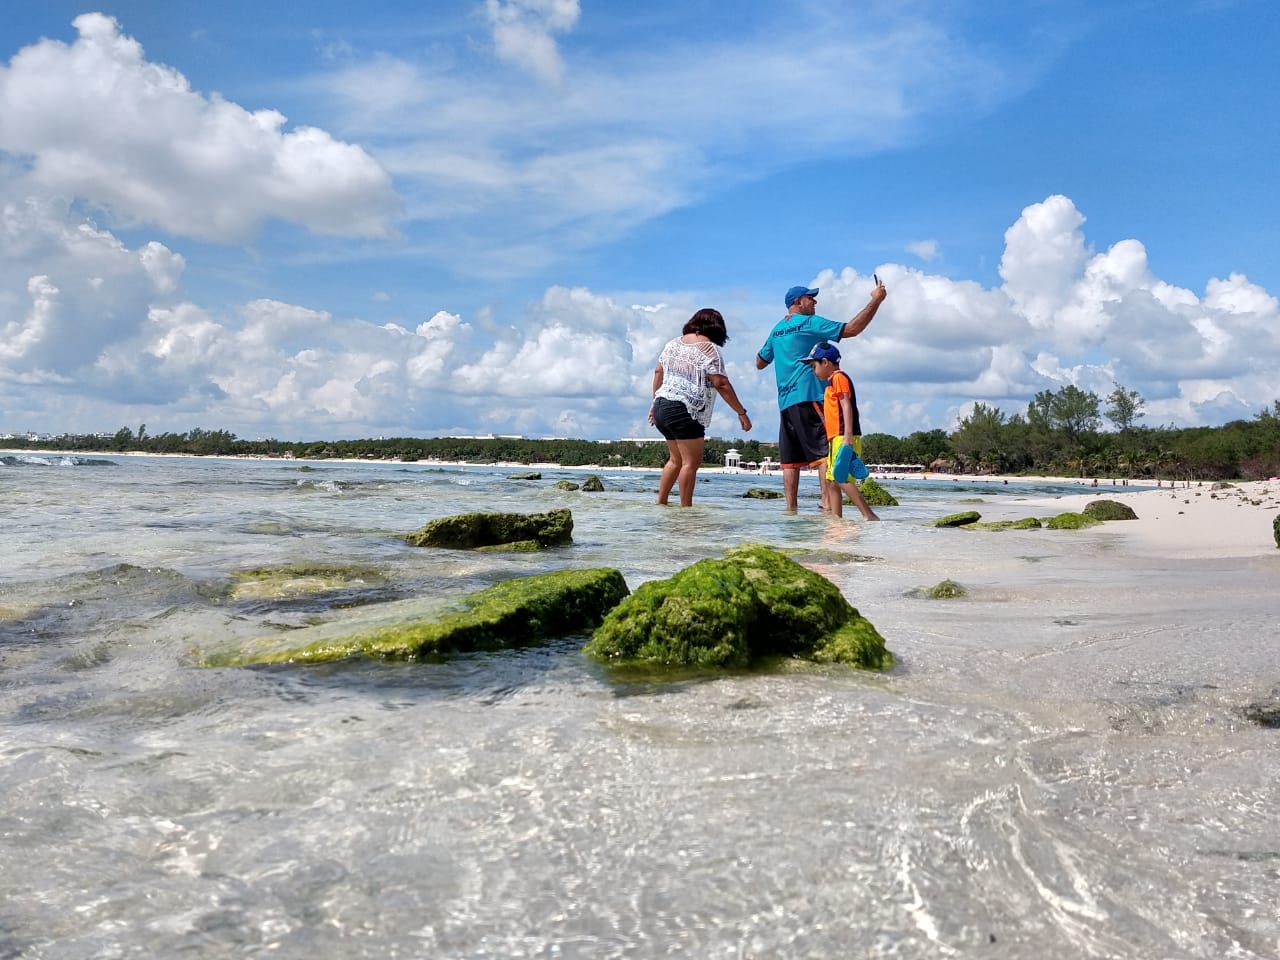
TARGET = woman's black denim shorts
(673,421)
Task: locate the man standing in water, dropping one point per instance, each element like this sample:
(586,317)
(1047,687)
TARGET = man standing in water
(802,438)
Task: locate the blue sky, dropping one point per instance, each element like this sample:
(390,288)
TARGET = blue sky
(391,218)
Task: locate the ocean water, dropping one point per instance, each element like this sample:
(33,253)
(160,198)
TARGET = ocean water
(1057,768)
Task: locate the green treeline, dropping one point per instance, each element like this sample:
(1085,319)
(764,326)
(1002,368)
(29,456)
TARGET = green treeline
(1059,435)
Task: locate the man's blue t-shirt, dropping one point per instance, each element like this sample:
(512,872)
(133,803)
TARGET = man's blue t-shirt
(788,343)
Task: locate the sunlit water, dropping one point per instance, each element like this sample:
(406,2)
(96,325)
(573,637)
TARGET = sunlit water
(1057,768)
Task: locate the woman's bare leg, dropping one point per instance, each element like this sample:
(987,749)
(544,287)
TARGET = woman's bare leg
(670,470)
(690,459)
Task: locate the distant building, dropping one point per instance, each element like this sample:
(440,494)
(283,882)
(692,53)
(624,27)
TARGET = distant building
(732,459)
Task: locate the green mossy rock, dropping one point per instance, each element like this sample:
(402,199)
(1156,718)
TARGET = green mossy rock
(946,590)
(508,614)
(1071,521)
(525,476)
(958,519)
(759,493)
(467,531)
(755,603)
(516,546)
(1275,528)
(876,495)
(593,484)
(1109,510)
(1026,523)
(566,485)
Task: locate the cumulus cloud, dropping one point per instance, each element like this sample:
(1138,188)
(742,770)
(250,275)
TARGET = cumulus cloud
(109,326)
(96,120)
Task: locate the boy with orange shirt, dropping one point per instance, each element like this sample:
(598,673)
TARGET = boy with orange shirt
(844,432)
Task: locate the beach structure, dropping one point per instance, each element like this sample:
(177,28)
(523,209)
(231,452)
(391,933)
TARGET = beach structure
(732,459)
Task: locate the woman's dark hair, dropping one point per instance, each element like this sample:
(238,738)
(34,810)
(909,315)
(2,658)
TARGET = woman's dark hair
(709,324)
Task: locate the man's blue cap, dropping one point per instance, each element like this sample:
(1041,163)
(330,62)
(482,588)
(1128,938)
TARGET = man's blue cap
(795,293)
(823,351)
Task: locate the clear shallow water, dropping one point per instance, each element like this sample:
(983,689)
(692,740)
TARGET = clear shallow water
(1057,768)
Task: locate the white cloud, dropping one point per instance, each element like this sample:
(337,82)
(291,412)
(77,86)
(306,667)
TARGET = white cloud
(522,33)
(609,141)
(97,121)
(924,249)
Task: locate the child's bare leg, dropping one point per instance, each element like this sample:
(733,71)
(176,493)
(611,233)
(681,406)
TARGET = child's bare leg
(859,501)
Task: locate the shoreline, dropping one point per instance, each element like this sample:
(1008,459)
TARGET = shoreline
(1197,523)
(1175,520)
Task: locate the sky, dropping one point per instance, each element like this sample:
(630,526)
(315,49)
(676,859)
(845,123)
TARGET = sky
(470,217)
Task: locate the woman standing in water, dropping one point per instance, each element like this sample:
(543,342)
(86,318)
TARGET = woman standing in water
(689,374)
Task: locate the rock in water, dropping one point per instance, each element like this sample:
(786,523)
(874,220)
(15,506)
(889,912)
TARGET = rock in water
(756,602)
(513,613)
(468,531)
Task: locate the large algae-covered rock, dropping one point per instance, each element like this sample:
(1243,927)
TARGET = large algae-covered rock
(1109,510)
(958,519)
(760,493)
(508,614)
(467,531)
(875,494)
(593,484)
(756,602)
(1071,521)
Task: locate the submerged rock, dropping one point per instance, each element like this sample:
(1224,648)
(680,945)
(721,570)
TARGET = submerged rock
(508,614)
(1026,523)
(468,531)
(566,485)
(1109,510)
(1275,528)
(958,519)
(525,476)
(759,493)
(300,580)
(946,590)
(876,495)
(754,603)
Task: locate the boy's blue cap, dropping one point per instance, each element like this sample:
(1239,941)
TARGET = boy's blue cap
(795,293)
(823,351)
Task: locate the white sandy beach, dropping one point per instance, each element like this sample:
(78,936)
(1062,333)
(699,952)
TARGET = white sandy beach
(1196,522)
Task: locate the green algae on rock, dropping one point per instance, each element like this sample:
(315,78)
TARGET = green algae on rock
(728,613)
(958,519)
(1026,523)
(300,580)
(760,493)
(1071,521)
(1109,510)
(876,495)
(565,485)
(1275,528)
(512,613)
(467,531)
(945,590)
(593,484)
